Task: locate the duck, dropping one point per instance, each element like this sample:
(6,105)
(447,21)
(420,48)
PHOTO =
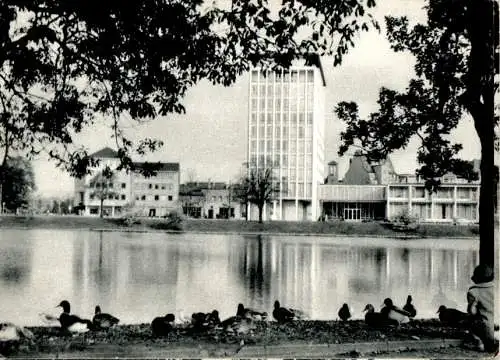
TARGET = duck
(244,312)
(390,311)
(202,320)
(283,315)
(344,312)
(72,323)
(238,325)
(451,316)
(181,321)
(373,318)
(11,337)
(409,307)
(103,320)
(12,332)
(163,325)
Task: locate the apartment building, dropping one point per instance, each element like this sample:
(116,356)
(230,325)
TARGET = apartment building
(127,191)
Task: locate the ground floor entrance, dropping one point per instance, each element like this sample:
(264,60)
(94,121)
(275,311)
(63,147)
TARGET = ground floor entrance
(354,211)
(352,214)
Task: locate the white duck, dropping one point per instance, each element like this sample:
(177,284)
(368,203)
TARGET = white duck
(392,312)
(11,332)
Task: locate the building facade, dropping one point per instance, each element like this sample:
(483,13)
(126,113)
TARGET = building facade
(376,192)
(127,192)
(286,133)
(210,200)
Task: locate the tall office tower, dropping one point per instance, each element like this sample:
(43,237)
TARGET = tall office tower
(286,131)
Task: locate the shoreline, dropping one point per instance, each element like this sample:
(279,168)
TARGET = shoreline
(241,227)
(263,339)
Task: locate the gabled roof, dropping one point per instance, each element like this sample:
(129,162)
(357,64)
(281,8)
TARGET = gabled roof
(105,153)
(161,166)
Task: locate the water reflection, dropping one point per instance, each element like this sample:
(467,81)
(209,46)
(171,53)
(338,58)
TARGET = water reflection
(15,258)
(139,276)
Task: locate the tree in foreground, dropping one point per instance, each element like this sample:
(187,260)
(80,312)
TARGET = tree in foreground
(18,183)
(68,65)
(456,61)
(259,188)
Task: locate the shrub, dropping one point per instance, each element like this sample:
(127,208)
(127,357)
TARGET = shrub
(173,221)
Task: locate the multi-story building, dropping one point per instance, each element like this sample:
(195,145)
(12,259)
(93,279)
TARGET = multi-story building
(144,196)
(375,191)
(156,195)
(286,130)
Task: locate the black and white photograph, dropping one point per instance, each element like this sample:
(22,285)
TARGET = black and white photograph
(249,179)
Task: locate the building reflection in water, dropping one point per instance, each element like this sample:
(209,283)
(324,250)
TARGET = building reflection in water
(139,276)
(318,277)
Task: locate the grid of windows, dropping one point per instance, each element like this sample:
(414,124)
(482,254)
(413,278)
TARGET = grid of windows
(281,127)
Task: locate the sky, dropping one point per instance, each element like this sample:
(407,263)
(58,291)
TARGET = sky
(210,140)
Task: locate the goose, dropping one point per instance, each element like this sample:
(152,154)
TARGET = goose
(451,316)
(283,315)
(373,318)
(72,323)
(390,311)
(409,307)
(103,320)
(250,313)
(162,325)
(344,312)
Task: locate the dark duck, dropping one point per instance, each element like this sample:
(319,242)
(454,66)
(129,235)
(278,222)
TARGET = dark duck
(72,323)
(344,313)
(203,321)
(376,319)
(392,312)
(163,325)
(248,313)
(284,315)
(102,320)
(409,307)
(452,316)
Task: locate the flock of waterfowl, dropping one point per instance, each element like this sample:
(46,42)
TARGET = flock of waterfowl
(389,315)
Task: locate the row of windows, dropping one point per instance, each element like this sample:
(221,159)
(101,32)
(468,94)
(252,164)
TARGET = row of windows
(154,197)
(282,119)
(419,192)
(108,197)
(436,211)
(302,75)
(294,103)
(162,186)
(106,185)
(297,190)
(286,146)
(283,161)
(284,132)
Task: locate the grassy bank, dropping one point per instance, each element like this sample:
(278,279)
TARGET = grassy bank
(219,343)
(236,226)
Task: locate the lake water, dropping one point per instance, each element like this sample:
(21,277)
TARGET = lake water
(137,276)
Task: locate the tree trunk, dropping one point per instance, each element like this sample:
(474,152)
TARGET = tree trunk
(487,203)
(261,209)
(479,100)
(101,212)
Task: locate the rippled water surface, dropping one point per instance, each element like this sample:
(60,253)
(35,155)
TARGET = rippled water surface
(137,276)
